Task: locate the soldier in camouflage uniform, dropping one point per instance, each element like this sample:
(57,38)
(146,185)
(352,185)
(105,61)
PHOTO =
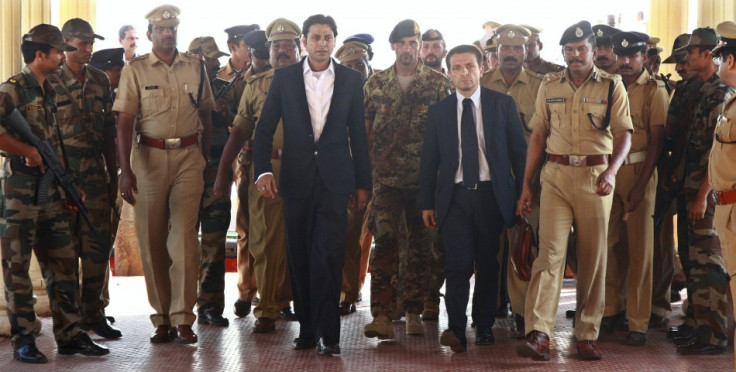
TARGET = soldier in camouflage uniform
(521,84)
(28,227)
(704,330)
(266,231)
(214,212)
(396,104)
(534,62)
(87,125)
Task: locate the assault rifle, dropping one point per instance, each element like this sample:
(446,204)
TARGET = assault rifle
(54,171)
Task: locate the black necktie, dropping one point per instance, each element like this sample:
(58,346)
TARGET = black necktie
(469,144)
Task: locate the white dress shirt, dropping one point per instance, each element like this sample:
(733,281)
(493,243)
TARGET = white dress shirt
(319,87)
(484,171)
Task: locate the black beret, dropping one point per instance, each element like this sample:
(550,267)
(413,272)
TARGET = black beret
(256,41)
(107,58)
(432,35)
(237,32)
(577,32)
(629,42)
(403,29)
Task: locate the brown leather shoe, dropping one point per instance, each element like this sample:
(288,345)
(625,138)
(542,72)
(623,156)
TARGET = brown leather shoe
(186,335)
(536,346)
(264,325)
(161,334)
(588,350)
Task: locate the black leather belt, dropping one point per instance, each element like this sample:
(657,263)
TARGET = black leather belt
(474,186)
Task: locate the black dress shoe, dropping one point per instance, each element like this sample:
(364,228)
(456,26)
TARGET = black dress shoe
(241,308)
(701,349)
(347,308)
(519,327)
(212,318)
(679,331)
(324,348)
(610,324)
(636,339)
(104,329)
(82,344)
(287,314)
(484,336)
(29,354)
(301,343)
(685,341)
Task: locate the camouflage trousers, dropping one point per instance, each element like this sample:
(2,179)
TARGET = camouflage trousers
(707,282)
(93,250)
(389,207)
(214,219)
(436,274)
(44,229)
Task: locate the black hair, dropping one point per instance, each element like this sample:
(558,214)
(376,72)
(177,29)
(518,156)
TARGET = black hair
(726,51)
(319,19)
(29,49)
(124,29)
(461,49)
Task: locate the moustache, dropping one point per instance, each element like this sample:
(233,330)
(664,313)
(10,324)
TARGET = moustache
(430,55)
(602,59)
(574,60)
(510,59)
(284,56)
(625,67)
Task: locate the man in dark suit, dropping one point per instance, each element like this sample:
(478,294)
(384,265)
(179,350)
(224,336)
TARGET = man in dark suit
(324,159)
(473,148)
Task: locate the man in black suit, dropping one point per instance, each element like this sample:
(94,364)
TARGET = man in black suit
(324,159)
(473,147)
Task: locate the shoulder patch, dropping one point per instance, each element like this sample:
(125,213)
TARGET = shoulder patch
(614,77)
(136,59)
(13,81)
(552,76)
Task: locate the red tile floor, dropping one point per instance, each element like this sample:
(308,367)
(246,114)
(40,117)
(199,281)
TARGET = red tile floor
(236,348)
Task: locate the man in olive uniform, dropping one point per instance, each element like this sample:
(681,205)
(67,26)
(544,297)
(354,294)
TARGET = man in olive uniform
(704,330)
(631,227)
(605,58)
(582,118)
(521,84)
(353,54)
(433,50)
(240,62)
(266,232)
(534,62)
(84,100)
(396,103)
(723,154)
(27,226)
(170,94)
(682,103)
(214,212)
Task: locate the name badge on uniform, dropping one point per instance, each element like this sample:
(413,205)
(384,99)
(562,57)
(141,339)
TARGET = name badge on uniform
(556,100)
(593,100)
(151,87)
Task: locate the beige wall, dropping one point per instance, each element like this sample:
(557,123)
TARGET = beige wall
(668,18)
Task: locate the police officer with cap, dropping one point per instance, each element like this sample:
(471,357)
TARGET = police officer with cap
(354,54)
(433,49)
(723,154)
(111,62)
(490,54)
(164,183)
(604,57)
(631,227)
(28,225)
(582,122)
(258,54)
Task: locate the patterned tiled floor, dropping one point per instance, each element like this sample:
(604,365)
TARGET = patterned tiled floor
(236,348)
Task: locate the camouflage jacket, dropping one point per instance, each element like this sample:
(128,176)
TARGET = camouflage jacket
(714,94)
(232,96)
(23,92)
(398,121)
(84,112)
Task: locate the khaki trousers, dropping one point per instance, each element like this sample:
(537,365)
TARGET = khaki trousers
(353,253)
(568,195)
(247,288)
(725,224)
(267,244)
(170,185)
(632,279)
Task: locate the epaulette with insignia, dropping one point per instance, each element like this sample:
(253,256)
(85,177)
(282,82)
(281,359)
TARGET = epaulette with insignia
(13,81)
(534,75)
(196,56)
(257,76)
(145,56)
(551,76)
(614,77)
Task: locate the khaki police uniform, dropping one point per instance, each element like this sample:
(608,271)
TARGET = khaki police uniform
(524,91)
(169,181)
(266,231)
(648,103)
(569,196)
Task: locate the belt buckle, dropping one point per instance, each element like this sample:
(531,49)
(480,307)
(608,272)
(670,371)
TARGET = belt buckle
(473,187)
(576,160)
(172,143)
(715,197)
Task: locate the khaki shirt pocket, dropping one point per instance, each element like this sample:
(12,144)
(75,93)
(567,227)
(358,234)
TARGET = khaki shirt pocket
(595,115)
(153,101)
